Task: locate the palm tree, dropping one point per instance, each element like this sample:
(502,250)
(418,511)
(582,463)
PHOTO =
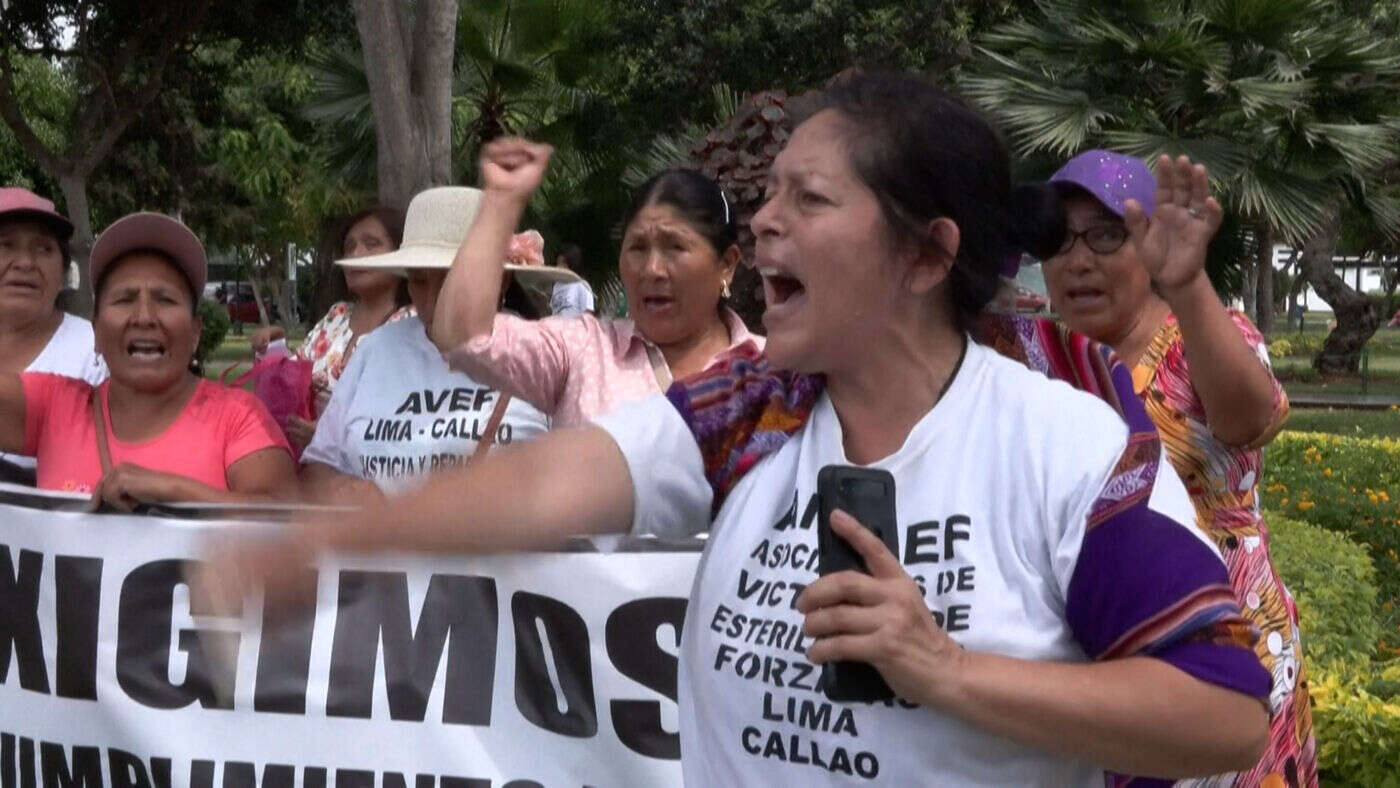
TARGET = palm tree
(522,67)
(1285,101)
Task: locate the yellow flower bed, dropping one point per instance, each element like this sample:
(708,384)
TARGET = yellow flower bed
(1356,700)
(1346,484)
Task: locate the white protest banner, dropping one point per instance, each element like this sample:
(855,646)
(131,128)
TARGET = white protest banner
(551,669)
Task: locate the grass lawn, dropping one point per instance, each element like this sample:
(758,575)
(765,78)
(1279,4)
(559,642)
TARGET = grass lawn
(1369,423)
(236,348)
(1383,371)
(1298,377)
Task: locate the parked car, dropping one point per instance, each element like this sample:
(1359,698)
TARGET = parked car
(1030,302)
(238,298)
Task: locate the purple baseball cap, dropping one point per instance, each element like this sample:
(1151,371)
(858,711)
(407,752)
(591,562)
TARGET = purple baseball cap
(17,203)
(1111,178)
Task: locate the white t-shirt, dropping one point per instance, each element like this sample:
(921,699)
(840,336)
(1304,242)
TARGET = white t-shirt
(570,299)
(71,352)
(993,489)
(399,412)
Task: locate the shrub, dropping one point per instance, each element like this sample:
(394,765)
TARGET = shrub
(1280,348)
(1357,726)
(1334,583)
(214,317)
(1356,701)
(1350,485)
(1296,345)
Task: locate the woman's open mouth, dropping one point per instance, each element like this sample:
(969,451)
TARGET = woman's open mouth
(781,290)
(145,350)
(657,303)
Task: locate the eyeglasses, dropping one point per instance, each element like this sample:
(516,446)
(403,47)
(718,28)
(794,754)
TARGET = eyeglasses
(1101,239)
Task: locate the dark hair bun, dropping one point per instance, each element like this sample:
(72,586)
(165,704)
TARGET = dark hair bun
(1036,219)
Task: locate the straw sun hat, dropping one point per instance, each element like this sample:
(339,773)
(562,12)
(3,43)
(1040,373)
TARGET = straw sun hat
(435,226)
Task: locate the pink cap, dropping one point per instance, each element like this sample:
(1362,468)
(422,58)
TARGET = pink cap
(147,230)
(17,203)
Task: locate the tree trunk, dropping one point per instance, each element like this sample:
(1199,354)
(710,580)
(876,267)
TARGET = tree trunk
(75,199)
(1264,272)
(287,305)
(410,87)
(258,299)
(329,282)
(1250,288)
(1357,316)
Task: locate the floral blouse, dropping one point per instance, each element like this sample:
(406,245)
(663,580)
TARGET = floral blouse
(1223,482)
(330,342)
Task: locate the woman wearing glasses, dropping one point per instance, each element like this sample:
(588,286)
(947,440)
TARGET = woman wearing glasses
(1203,375)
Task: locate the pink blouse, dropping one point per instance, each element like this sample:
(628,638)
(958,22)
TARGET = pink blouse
(572,368)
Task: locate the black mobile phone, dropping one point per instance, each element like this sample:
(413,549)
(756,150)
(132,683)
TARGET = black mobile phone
(866,494)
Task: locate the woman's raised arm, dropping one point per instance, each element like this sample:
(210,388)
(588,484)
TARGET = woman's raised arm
(511,171)
(1240,395)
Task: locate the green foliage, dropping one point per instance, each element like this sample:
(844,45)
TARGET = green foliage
(1295,345)
(1350,486)
(669,58)
(1290,104)
(75,82)
(1356,700)
(340,103)
(1334,583)
(612,299)
(1356,717)
(45,95)
(214,325)
(269,183)
(673,51)
(522,67)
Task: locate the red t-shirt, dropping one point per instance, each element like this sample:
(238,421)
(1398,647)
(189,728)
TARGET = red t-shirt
(218,427)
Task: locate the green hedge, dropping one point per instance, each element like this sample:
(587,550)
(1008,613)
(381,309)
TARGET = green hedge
(1356,700)
(1295,345)
(1349,485)
(1357,723)
(1334,583)
(214,321)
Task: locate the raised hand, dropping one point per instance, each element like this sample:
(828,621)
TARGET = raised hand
(263,337)
(880,618)
(1172,244)
(513,167)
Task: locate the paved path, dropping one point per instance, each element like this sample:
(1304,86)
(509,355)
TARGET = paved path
(1354,401)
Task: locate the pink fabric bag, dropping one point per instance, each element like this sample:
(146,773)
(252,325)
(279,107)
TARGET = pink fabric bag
(283,383)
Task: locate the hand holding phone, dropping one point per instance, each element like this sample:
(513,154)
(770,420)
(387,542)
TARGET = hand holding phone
(868,495)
